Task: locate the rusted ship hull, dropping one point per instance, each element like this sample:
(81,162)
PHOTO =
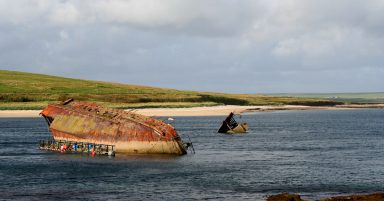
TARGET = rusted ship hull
(129,132)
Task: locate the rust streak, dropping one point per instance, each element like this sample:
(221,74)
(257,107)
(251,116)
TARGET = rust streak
(89,122)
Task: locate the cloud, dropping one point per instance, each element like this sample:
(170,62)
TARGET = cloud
(66,14)
(261,45)
(199,17)
(322,43)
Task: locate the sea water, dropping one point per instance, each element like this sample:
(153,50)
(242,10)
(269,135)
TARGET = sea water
(315,153)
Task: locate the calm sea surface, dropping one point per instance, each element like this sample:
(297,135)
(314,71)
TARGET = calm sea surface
(314,153)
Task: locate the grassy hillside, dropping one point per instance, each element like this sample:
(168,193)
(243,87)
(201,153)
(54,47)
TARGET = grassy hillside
(19,90)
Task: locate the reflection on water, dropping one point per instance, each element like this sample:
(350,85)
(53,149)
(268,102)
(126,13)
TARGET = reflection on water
(117,158)
(314,153)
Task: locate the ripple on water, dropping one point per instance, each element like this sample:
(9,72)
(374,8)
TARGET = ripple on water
(313,153)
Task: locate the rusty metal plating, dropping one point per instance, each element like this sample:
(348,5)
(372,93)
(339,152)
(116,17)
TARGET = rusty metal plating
(129,132)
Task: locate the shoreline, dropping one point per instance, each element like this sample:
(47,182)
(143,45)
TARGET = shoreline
(207,111)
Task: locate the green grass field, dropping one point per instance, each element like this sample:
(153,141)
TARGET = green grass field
(360,98)
(19,90)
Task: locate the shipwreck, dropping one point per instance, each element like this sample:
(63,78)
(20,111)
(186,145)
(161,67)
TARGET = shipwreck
(231,126)
(128,132)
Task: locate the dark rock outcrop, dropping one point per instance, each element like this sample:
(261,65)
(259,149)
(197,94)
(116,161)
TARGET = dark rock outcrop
(379,196)
(285,197)
(368,197)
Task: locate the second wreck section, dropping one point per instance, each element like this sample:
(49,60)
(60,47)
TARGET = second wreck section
(231,126)
(129,132)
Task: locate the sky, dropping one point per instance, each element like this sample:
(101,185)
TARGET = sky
(235,46)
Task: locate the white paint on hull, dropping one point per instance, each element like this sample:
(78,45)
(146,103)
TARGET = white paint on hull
(150,147)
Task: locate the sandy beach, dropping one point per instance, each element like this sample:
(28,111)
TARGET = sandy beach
(202,111)
(19,113)
(217,110)
(195,111)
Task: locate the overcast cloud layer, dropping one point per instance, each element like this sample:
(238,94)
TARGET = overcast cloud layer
(260,46)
